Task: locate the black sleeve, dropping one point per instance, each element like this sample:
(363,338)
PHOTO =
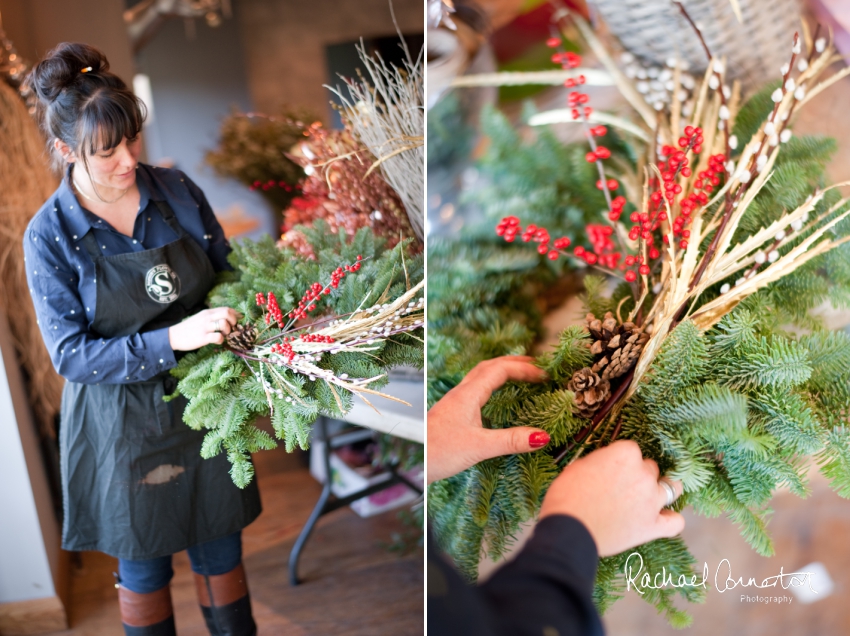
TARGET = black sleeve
(545,589)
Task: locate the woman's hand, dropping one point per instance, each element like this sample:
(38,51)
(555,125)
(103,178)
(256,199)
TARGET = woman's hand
(615,493)
(209,326)
(456,437)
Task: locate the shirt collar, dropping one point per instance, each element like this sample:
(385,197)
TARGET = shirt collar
(80,220)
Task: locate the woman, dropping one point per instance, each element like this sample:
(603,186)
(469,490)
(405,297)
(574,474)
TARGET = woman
(602,504)
(119,261)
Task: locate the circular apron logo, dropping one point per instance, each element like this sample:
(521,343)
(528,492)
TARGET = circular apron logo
(162,283)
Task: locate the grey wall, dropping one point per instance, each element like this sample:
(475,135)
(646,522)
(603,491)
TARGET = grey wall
(285,43)
(195,83)
(36,26)
(29,532)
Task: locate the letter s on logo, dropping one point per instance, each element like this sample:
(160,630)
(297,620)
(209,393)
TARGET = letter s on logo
(162,280)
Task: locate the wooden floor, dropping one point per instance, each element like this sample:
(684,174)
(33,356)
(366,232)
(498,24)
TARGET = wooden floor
(351,583)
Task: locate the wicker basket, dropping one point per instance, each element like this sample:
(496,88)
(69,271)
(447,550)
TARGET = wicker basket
(655,30)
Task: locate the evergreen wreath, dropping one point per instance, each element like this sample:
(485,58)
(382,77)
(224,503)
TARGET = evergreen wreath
(369,313)
(705,354)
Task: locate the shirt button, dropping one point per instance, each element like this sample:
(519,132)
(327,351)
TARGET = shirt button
(161,361)
(75,236)
(143,366)
(95,372)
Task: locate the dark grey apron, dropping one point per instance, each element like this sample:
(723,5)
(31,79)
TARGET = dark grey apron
(133,480)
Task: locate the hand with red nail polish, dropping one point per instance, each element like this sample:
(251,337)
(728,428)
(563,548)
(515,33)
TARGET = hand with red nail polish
(615,493)
(457,439)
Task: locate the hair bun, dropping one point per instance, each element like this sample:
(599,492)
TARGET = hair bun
(63,67)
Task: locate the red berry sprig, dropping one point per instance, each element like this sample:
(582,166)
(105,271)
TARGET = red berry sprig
(316,337)
(284,349)
(577,101)
(316,290)
(673,163)
(260,299)
(274,311)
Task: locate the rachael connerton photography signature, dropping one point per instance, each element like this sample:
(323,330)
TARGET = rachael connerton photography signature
(723,579)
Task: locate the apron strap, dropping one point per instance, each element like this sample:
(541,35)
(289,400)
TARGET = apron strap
(169,218)
(91,245)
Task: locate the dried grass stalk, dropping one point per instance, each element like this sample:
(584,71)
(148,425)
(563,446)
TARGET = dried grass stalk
(386,113)
(25,182)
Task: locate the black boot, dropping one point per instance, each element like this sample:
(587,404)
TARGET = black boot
(225,603)
(146,614)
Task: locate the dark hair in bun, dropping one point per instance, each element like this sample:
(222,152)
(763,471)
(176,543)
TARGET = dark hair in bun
(81,103)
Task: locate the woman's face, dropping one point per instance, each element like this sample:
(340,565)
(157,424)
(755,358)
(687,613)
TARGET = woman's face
(116,167)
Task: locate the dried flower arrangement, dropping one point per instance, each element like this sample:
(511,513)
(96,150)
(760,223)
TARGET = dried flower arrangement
(386,113)
(253,149)
(341,189)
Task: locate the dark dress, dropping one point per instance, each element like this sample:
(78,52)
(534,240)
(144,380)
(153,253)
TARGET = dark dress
(134,484)
(545,590)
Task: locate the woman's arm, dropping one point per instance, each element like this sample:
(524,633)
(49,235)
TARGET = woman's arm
(77,354)
(546,589)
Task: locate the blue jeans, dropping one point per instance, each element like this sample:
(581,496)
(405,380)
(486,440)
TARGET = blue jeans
(210,558)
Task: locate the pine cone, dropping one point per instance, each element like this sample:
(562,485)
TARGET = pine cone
(590,390)
(242,337)
(618,344)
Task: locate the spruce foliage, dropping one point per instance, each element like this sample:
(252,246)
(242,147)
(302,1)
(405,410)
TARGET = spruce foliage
(734,412)
(227,393)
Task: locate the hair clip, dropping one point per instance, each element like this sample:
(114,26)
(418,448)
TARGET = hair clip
(86,70)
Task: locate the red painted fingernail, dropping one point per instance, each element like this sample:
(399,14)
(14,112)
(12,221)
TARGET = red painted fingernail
(538,439)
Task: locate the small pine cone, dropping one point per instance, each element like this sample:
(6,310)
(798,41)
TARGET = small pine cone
(619,345)
(242,337)
(590,390)
(625,356)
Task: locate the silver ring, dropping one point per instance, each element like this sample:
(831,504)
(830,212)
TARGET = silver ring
(217,325)
(671,492)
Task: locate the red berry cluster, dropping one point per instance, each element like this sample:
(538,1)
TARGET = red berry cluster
(603,247)
(617,205)
(261,300)
(315,337)
(271,183)
(567,59)
(601,152)
(509,227)
(284,348)
(274,311)
(315,291)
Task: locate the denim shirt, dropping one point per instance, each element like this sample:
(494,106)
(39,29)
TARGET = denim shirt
(61,275)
